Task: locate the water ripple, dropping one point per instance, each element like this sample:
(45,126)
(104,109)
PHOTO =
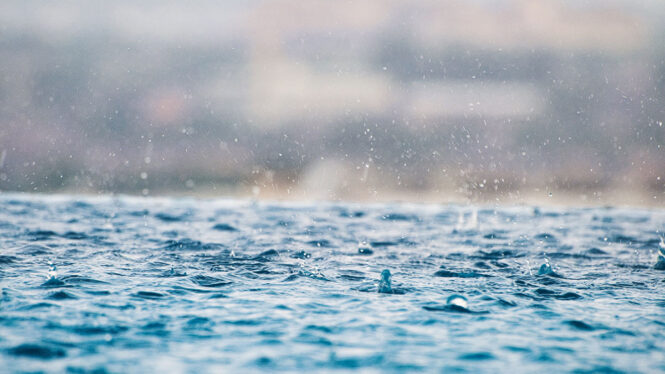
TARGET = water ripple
(118,284)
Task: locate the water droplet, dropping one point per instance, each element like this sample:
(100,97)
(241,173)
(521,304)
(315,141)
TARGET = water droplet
(660,260)
(385,282)
(458,301)
(545,269)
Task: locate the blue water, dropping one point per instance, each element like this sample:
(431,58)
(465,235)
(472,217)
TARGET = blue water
(119,284)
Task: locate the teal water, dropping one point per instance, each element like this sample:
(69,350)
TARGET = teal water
(120,284)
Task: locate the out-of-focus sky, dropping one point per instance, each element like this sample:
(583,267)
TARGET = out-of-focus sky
(503,100)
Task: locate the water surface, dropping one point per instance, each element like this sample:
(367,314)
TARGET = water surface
(120,284)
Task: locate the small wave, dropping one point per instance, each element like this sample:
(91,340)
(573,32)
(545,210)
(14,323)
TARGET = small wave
(351,214)
(224,227)
(207,281)
(495,236)
(477,356)
(568,296)
(506,303)
(497,254)
(35,250)
(301,255)
(98,329)
(546,237)
(54,282)
(189,245)
(156,328)
(399,217)
(314,273)
(320,243)
(62,295)
(268,255)
(149,295)
(174,273)
(40,235)
(39,306)
(39,351)
(452,309)
(383,243)
(73,235)
(461,274)
(353,276)
(80,279)
(580,325)
(4,260)
(165,217)
(619,238)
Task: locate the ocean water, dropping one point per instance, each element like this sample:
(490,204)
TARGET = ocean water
(134,285)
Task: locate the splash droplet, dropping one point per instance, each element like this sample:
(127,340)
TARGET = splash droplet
(385,282)
(545,269)
(458,301)
(660,261)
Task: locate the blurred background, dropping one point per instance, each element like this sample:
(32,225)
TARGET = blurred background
(472,100)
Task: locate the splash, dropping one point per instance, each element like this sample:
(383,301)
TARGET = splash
(385,285)
(457,301)
(660,261)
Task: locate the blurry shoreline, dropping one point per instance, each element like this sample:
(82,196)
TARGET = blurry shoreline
(536,197)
